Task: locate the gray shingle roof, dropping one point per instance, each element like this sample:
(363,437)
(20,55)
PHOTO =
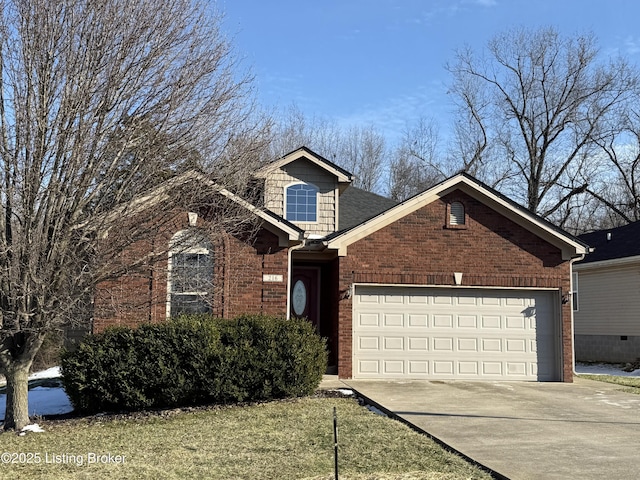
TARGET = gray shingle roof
(357,206)
(624,242)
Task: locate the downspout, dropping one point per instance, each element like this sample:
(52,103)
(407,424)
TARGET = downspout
(289,270)
(573,335)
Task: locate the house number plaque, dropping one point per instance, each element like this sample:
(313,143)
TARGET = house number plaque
(272,278)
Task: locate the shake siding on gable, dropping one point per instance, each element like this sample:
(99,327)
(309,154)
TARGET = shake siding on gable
(609,301)
(307,172)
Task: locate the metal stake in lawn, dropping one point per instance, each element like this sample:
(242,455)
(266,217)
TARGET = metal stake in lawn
(335,442)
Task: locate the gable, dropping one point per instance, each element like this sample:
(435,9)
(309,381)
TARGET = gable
(569,246)
(489,242)
(342,176)
(304,172)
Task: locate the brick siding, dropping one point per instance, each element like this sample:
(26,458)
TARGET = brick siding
(418,249)
(140,295)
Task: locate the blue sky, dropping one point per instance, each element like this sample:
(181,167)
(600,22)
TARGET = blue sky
(381,62)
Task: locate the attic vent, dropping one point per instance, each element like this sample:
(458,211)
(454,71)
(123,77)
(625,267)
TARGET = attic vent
(456,213)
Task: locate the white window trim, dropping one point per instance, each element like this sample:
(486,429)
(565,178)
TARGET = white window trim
(286,187)
(198,250)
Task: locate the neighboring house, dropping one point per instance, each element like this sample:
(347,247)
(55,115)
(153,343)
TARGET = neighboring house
(607,304)
(457,282)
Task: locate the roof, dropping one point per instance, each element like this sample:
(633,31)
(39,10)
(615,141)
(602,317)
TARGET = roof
(342,175)
(357,206)
(613,243)
(187,179)
(570,246)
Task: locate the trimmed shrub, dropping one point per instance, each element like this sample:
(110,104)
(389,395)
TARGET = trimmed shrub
(100,375)
(194,360)
(266,357)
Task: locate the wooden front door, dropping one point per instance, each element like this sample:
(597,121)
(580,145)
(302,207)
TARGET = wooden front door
(305,290)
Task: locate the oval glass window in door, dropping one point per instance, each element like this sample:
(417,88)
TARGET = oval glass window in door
(299,298)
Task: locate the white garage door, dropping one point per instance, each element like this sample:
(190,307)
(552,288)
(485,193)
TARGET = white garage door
(438,333)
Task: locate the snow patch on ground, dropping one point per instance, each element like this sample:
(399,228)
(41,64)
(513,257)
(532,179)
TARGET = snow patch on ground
(43,400)
(53,372)
(605,369)
(347,392)
(34,427)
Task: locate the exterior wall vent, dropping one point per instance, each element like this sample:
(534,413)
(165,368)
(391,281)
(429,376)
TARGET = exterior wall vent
(456,214)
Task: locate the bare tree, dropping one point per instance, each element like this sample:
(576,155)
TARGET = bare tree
(618,185)
(99,101)
(416,164)
(470,140)
(362,152)
(359,149)
(540,100)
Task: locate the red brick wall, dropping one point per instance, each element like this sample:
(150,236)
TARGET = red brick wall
(418,249)
(140,295)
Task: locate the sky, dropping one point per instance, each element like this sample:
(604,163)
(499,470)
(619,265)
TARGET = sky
(381,63)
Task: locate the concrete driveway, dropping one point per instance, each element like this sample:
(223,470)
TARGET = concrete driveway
(523,430)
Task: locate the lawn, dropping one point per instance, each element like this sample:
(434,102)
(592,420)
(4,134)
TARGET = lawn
(630,384)
(290,439)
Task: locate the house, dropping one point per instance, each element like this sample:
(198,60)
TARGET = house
(457,282)
(607,303)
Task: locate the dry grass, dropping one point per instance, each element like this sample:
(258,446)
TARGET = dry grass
(631,384)
(278,440)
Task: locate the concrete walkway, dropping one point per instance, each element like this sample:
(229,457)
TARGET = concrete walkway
(521,430)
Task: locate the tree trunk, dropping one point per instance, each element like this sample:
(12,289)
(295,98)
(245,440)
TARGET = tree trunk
(17,412)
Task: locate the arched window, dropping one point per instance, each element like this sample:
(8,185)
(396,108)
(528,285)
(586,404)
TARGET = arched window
(190,279)
(456,214)
(301,202)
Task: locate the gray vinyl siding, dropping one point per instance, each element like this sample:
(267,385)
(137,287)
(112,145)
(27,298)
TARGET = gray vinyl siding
(609,301)
(304,171)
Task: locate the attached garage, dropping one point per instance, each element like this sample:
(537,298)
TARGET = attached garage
(432,333)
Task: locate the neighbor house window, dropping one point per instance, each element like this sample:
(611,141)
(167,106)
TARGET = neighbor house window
(190,279)
(301,203)
(456,215)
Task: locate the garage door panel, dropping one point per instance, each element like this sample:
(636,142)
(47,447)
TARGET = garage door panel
(368,320)
(417,321)
(518,345)
(394,343)
(418,367)
(491,344)
(515,323)
(454,334)
(468,345)
(393,320)
(467,321)
(369,343)
(491,321)
(393,367)
(418,344)
(468,368)
(443,321)
(467,300)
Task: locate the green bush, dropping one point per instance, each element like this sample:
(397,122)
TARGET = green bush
(194,360)
(268,357)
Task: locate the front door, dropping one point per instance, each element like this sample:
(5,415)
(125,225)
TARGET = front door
(305,287)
